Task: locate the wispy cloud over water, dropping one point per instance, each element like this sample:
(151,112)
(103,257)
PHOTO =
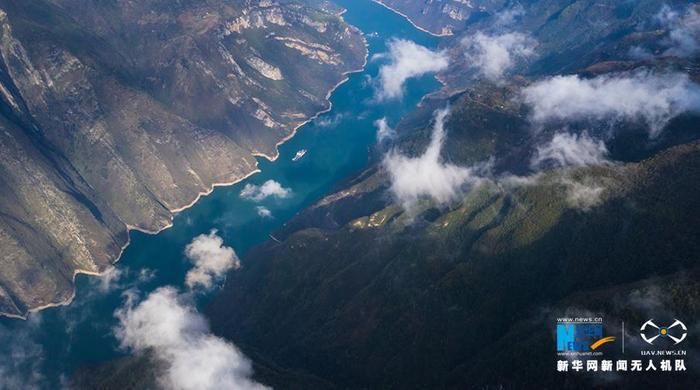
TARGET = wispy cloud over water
(384,132)
(406,60)
(270,188)
(166,324)
(211,260)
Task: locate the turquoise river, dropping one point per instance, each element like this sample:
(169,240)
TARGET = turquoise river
(47,348)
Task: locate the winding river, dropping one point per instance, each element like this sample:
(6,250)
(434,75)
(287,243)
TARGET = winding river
(51,344)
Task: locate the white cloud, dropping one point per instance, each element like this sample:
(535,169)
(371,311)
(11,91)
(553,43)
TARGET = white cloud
(494,55)
(180,337)
(683,33)
(567,149)
(384,132)
(22,357)
(640,53)
(508,16)
(109,279)
(330,120)
(211,260)
(666,16)
(268,189)
(145,275)
(428,176)
(652,98)
(406,60)
(583,195)
(684,30)
(263,212)
(509,180)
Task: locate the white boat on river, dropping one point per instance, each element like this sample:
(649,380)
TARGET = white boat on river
(299,155)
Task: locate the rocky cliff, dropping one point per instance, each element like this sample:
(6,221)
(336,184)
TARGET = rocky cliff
(115,114)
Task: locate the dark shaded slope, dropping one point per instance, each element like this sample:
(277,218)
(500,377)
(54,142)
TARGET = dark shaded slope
(386,304)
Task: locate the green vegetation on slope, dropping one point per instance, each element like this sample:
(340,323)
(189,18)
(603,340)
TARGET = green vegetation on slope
(403,305)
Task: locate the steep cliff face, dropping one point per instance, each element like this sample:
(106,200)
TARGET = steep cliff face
(118,113)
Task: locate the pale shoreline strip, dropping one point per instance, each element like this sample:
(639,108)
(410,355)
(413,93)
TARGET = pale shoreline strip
(129,229)
(408,18)
(346,77)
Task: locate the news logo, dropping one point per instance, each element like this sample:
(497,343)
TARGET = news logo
(578,340)
(581,334)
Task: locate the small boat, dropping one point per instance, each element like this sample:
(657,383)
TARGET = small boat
(299,155)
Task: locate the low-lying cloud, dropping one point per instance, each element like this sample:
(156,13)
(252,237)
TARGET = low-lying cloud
(684,30)
(642,96)
(109,279)
(330,120)
(22,358)
(566,149)
(268,189)
(384,132)
(495,55)
(165,324)
(406,60)
(583,195)
(428,176)
(263,212)
(509,16)
(211,260)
